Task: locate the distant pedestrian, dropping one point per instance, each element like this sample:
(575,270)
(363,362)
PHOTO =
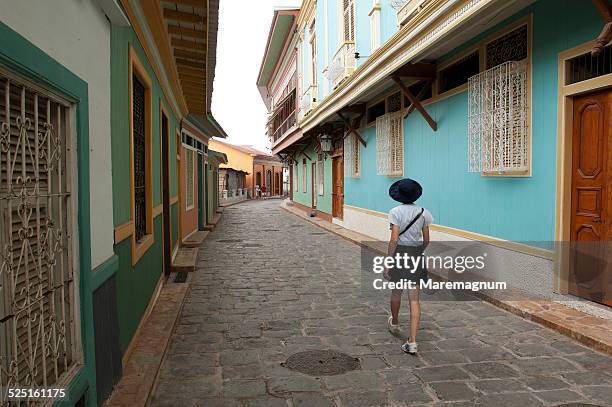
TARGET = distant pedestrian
(263,191)
(409,224)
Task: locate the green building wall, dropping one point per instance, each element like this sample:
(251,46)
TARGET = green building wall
(135,284)
(324,202)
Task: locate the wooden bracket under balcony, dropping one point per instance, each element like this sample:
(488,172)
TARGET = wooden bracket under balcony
(422,70)
(419,97)
(605,10)
(415,102)
(354,126)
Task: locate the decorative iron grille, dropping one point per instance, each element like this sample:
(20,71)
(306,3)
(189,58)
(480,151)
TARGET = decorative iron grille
(498,120)
(585,66)
(394,103)
(510,47)
(139,143)
(38,345)
(351,156)
(390,145)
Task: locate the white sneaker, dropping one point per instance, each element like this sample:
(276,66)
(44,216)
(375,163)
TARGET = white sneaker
(394,329)
(410,347)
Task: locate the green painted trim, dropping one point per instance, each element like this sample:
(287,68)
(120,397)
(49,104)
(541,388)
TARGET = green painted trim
(104,271)
(23,57)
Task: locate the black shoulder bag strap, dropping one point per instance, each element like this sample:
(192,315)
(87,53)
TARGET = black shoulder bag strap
(412,222)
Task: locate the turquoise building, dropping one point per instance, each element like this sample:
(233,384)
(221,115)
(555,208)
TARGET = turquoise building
(498,108)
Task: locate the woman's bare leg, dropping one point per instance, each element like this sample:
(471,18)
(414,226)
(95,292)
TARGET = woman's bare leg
(396,301)
(415,312)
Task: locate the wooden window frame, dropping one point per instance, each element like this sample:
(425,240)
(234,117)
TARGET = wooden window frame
(135,67)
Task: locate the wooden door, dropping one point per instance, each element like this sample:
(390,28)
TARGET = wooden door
(338,186)
(313,185)
(591,224)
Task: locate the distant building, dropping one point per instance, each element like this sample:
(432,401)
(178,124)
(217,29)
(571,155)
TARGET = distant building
(255,170)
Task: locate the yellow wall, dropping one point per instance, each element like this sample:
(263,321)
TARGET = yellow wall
(236,159)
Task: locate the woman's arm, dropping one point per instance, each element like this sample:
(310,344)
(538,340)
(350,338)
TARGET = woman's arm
(392,247)
(393,240)
(425,236)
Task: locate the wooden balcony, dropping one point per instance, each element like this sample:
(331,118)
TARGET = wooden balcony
(283,118)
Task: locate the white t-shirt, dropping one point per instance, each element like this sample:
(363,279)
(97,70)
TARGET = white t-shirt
(402,215)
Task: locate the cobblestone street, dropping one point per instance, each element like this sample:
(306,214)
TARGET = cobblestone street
(270,285)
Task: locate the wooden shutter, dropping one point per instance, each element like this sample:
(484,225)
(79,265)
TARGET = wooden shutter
(139,159)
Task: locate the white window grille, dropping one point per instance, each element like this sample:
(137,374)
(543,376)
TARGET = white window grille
(189,179)
(38,296)
(498,134)
(390,144)
(320,176)
(348,13)
(351,156)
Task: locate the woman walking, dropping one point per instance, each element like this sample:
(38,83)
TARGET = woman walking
(409,224)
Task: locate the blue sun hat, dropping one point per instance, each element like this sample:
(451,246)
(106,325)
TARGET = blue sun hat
(405,190)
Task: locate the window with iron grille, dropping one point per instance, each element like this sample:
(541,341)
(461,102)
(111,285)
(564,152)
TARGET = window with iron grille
(348,14)
(458,73)
(584,67)
(189,178)
(509,47)
(39,345)
(351,156)
(140,158)
(498,120)
(390,144)
(297,178)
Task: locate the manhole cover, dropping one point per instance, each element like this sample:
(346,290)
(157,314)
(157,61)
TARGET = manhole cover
(321,362)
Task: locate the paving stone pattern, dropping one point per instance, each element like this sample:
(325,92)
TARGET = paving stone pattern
(269,285)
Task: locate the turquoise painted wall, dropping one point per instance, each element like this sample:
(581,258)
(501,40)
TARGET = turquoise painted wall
(324,202)
(519,209)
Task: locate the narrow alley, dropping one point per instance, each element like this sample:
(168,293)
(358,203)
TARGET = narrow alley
(270,285)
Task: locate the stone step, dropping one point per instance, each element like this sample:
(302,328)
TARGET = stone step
(213,223)
(185,260)
(195,239)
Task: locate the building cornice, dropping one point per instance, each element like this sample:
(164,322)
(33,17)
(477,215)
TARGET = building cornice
(161,60)
(307,13)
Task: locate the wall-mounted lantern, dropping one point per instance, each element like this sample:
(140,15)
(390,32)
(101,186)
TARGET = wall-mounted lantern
(326,143)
